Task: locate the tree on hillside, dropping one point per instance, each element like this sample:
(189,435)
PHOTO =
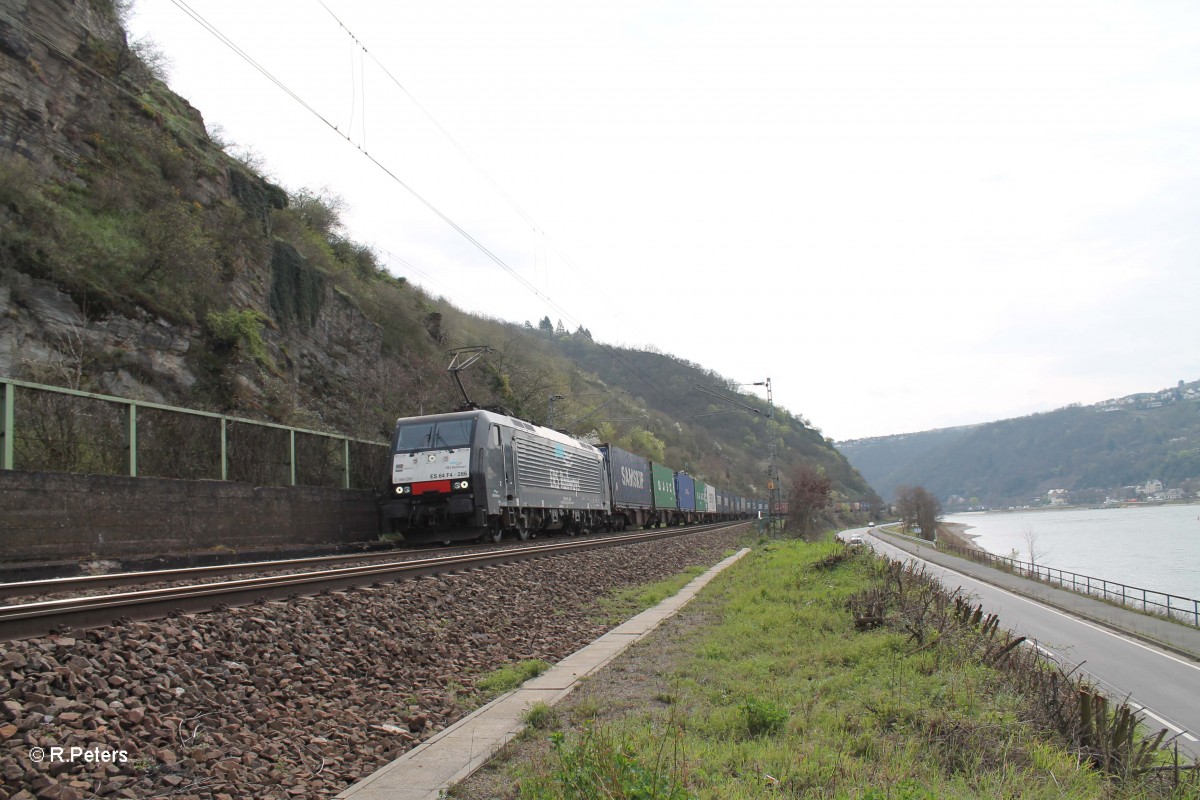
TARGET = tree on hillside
(521,381)
(918,510)
(646,444)
(546,326)
(810,496)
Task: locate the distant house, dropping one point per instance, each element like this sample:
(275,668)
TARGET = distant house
(1057,497)
(1151,488)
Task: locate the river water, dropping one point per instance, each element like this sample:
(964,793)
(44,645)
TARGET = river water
(1150,547)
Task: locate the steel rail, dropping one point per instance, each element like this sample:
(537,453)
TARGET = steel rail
(44,586)
(48,585)
(37,619)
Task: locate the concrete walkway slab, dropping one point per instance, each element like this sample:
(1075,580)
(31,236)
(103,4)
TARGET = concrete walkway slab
(431,767)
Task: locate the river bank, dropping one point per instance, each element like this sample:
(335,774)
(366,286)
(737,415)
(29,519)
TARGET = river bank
(1148,547)
(956,534)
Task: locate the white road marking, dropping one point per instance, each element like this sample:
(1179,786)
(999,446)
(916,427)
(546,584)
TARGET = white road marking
(1162,721)
(1045,652)
(1053,611)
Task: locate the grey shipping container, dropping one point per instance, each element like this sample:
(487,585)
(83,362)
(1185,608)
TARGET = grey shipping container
(629,474)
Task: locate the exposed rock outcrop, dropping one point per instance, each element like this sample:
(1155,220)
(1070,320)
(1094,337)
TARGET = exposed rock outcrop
(69,81)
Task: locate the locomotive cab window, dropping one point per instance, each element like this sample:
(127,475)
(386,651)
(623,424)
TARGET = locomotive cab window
(445,435)
(454,433)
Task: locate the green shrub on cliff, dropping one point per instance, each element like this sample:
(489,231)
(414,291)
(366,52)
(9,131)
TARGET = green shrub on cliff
(240,330)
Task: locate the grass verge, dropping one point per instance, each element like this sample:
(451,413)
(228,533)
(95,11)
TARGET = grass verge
(626,603)
(773,691)
(507,678)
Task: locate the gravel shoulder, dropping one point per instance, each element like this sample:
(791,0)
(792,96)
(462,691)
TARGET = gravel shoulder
(299,698)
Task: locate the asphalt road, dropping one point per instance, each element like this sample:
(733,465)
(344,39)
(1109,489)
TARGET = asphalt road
(1164,685)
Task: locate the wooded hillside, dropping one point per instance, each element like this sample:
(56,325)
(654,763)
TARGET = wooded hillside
(1091,451)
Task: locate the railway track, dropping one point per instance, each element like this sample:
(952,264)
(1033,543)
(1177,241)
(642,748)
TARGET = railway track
(39,618)
(49,588)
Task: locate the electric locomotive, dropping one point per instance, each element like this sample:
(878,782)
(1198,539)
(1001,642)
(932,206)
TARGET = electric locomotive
(479,474)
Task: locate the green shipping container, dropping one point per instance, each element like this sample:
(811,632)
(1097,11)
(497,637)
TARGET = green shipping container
(664,486)
(701,496)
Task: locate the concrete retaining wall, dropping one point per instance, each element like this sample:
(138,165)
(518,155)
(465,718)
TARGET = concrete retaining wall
(50,516)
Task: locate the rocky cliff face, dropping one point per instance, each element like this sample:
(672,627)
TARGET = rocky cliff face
(76,121)
(48,95)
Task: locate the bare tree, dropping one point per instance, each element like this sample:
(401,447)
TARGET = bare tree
(1032,545)
(919,510)
(808,498)
(521,381)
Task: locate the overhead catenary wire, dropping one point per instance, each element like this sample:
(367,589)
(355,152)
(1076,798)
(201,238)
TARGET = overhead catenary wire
(379,164)
(353,89)
(538,232)
(633,370)
(201,136)
(462,151)
(204,140)
(434,209)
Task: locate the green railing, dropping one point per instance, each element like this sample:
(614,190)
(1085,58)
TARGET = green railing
(64,430)
(1172,606)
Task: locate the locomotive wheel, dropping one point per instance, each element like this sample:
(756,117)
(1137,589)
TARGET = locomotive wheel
(496,535)
(523,533)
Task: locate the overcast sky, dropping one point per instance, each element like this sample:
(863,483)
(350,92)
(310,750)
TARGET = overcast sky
(908,215)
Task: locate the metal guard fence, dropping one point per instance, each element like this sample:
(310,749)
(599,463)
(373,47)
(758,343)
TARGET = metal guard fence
(1172,606)
(64,430)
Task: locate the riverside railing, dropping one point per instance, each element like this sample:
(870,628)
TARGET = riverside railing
(1172,606)
(65,430)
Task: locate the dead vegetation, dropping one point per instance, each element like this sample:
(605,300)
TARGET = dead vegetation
(1106,734)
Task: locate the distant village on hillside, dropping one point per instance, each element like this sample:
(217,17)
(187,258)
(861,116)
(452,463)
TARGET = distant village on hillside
(1137,402)
(1152,491)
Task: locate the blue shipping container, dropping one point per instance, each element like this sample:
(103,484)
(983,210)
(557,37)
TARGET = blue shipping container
(685,490)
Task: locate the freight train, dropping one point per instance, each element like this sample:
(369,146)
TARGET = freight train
(482,475)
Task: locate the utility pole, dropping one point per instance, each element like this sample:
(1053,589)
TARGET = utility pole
(773,488)
(553,397)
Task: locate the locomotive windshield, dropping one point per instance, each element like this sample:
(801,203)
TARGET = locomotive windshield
(445,435)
